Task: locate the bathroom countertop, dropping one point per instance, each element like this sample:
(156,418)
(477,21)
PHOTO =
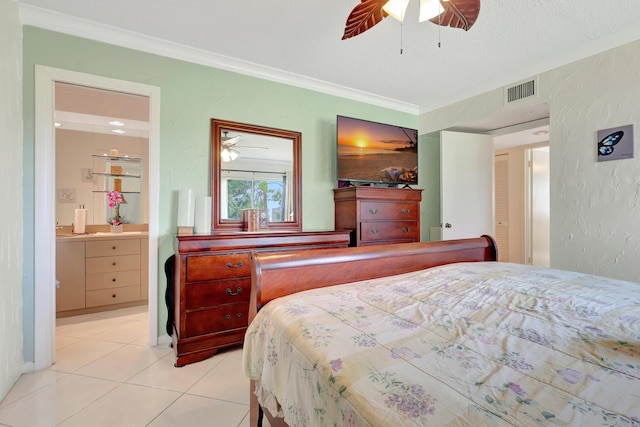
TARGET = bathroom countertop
(100,235)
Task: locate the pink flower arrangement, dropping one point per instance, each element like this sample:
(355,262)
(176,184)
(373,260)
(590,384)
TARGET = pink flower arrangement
(114,198)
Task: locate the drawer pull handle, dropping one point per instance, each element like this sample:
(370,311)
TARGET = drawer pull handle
(113,280)
(406,211)
(376,231)
(228,316)
(113,296)
(113,263)
(114,248)
(373,211)
(233,294)
(238,265)
(406,229)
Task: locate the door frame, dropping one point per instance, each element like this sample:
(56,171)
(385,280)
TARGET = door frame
(528,199)
(44,203)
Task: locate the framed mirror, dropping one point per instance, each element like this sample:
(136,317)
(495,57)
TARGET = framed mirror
(255,167)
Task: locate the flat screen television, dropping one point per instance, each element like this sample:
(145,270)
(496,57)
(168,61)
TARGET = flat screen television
(370,152)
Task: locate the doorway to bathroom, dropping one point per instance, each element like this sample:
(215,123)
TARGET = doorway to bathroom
(46,197)
(101,169)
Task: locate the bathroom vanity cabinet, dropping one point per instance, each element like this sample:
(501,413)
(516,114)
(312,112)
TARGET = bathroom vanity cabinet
(100,272)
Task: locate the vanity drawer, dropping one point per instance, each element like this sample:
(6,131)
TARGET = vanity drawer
(393,230)
(214,293)
(379,211)
(112,296)
(210,267)
(98,248)
(226,317)
(113,263)
(116,279)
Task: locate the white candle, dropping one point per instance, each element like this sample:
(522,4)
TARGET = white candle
(203,215)
(186,208)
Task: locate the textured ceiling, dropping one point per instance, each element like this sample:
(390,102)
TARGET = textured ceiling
(301,41)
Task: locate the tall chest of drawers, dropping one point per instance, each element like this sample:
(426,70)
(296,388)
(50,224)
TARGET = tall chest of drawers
(213,284)
(378,215)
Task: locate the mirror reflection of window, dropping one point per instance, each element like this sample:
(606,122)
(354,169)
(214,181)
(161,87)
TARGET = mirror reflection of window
(257,177)
(261,191)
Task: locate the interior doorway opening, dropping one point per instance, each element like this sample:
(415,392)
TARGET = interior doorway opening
(514,195)
(45,197)
(101,147)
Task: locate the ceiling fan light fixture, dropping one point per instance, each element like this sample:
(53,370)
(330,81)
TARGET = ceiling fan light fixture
(229,154)
(396,8)
(429,9)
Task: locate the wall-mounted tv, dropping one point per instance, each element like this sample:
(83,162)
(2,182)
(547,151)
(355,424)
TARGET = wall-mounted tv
(370,152)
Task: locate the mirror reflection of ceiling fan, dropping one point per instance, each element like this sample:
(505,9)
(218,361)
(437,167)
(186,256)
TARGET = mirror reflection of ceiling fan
(447,13)
(229,151)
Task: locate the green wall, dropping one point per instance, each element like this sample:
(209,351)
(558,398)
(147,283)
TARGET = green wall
(190,96)
(429,181)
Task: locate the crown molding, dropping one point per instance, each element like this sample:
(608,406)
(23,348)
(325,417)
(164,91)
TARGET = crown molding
(66,24)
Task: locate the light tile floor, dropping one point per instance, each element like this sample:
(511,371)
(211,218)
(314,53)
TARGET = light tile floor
(106,375)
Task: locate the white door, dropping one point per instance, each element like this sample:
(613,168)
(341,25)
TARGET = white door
(466,185)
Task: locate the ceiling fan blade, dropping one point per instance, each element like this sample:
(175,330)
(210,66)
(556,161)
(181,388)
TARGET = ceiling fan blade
(363,17)
(229,141)
(458,14)
(252,148)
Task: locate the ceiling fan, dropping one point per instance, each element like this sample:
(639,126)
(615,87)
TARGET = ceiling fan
(448,13)
(229,150)
(228,153)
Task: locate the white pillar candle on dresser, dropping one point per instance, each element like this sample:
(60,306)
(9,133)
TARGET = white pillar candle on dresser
(186,208)
(203,215)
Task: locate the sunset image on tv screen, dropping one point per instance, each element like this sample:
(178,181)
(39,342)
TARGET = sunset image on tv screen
(376,152)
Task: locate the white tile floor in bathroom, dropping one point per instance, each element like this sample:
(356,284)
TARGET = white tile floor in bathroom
(106,375)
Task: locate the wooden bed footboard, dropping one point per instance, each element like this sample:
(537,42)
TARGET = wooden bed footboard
(277,275)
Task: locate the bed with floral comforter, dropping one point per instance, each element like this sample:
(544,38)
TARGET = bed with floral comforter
(478,344)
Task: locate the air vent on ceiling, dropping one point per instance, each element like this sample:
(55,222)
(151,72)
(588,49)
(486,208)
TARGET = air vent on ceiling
(520,91)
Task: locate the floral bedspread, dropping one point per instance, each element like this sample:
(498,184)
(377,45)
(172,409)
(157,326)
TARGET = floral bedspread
(469,344)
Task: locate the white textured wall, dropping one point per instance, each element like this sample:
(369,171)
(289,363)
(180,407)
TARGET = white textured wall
(595,207)
(10,196)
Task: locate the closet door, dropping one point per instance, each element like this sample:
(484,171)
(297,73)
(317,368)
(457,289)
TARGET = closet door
(502,206)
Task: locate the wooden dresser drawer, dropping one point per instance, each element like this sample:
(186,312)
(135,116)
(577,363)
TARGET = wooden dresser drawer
(379,211)
(226,317)
(392,230)
(214,293)
(99,248)
(210,267)
(112,296)
(116,279)
(112,263)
